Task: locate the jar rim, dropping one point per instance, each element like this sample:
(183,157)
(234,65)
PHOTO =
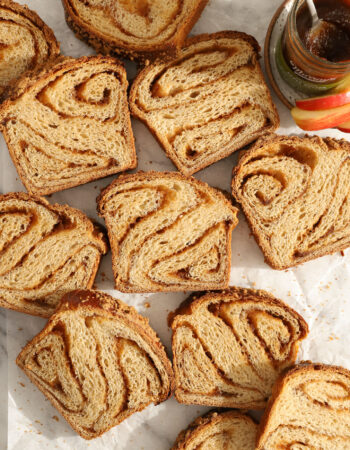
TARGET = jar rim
(341,65)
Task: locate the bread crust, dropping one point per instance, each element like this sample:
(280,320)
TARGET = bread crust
(303,367)
(102,44)
(139,114)
(272,138)
(195,300)
(106,306)
(23,10)
(201,423)
(56,208)
(55,67)
(139,176)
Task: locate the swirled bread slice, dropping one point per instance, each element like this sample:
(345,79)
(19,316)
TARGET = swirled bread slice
(295,194)
(45,251)
(25,42)
(207,103)
(69,124)
(228,430)
(141,29)
(167,232)
(229,347)
(309,409)
(98,361)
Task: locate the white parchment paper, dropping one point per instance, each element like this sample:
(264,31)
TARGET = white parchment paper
(319,290)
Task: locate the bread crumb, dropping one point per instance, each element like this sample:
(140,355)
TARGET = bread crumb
(22,384)
(147,304)
(56,418)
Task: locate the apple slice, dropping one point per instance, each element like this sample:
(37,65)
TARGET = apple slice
(324,101)
(344,127)
(319,120)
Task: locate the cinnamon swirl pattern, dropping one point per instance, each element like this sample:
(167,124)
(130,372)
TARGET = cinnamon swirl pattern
(25,42)
(45,251)
(228,430)
(295,194)
(167,232)
(229,347)
(98,361)
(209,102)
(69,124)
(309,409)
(139,29)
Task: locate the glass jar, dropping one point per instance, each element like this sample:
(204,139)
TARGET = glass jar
(304,63)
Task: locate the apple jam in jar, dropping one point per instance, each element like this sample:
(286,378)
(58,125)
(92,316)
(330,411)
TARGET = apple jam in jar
(314,61)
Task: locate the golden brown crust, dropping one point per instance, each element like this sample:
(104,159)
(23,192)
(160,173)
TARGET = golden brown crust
(272,138)
(195,300)
(54,67)
(23,10)
(201,423)
(95,230)
(102,44)
(190,304)
(141,175)
(229,34)
(303,367)
(104,305)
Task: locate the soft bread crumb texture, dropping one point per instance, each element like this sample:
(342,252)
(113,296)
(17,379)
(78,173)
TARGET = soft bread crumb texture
(167,232)
(98,361)
(69,124)
(208,102)
(141,29)
(46,250)
(294,192)
(309,409)
(229,347)
(26,42)
(228,430)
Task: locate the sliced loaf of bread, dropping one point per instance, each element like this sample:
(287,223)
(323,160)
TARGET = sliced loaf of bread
(229,347)
(98,361)
(295,193)
(167,232)
(138,29)
(229,430)
(26,42)
(45,251)
(309,409)
(209,102)
(69,124)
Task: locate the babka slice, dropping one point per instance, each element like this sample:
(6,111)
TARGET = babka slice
(309,409)
(69,124)
(26,42)
(167,232)
(45,251)
(98,361)
(295,193)
(229,347)
(141,29)
(229,430)
(209,102)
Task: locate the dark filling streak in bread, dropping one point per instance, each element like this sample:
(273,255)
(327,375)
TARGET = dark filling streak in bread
(220,373)
(42,98)
(181,214)
(118,24)
(84,167)
(331,226)
(194,244)
(32,221)
(60,330)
